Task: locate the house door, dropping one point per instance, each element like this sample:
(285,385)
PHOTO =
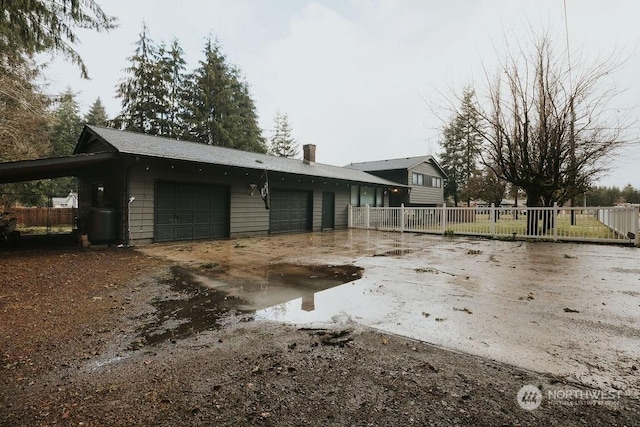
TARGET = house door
(328,210)
(190,211)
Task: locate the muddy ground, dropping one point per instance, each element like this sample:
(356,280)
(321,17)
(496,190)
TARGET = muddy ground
(84,341)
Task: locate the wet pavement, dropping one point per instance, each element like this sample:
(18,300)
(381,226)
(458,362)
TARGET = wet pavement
(572,310)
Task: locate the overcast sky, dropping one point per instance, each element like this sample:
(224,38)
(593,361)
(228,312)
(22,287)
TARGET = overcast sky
(361,79)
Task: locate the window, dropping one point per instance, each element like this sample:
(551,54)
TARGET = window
(367,196)
(362,196)
(426,180)
(355,196)
(379,197)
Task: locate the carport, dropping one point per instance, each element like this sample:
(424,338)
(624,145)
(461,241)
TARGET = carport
(77,165)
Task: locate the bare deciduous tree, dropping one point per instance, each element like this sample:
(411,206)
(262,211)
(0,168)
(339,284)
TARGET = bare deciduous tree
(548,127)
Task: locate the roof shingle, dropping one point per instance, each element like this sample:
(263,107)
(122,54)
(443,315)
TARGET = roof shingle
(139,144)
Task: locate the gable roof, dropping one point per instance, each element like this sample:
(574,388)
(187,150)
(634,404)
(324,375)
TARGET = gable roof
(395,164)
(139,144)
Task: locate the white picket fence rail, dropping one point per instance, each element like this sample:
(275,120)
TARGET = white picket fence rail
(588,224)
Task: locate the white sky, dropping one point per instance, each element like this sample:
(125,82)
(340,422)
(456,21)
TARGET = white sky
(361,79)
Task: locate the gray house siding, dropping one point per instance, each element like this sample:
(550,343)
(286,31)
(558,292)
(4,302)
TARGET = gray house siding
(199,184)
(424,195)
(247,215)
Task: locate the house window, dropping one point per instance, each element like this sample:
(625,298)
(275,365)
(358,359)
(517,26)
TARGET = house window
(367,196)
(97,195)
(417,179)
(362,196)
(379,197)
(436,182)
(355,196)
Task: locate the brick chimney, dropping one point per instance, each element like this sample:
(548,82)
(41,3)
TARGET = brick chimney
(309,154)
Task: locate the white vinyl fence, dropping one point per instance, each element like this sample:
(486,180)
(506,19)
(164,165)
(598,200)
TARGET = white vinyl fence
(588,224)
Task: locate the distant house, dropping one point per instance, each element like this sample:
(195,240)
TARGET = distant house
(423,176)
(71,201)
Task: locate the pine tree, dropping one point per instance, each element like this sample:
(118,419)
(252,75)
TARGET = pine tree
(172,75)
(97,114)
(35,26)
(282,142)
(66,124)
(142,92)
(219,109)
(461,144)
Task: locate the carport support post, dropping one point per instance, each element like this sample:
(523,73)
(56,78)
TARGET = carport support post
(402,217)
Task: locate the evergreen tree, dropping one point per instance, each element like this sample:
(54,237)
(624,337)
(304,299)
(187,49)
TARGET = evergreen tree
(142,92)
(282,142)
(66,125)
(461,144)
(219,109)
(171,106)
(97,114)
(35,26)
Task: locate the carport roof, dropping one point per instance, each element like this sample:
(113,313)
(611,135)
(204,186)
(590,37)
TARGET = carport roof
(138,144)
(54,167)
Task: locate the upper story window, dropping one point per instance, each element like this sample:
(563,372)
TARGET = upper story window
(426,180)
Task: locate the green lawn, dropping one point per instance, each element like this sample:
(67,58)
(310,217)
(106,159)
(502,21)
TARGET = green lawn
(586,226)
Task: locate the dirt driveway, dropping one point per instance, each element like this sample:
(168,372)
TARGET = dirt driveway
(109,336)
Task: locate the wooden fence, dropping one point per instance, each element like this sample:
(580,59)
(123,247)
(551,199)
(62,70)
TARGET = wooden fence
(44,217)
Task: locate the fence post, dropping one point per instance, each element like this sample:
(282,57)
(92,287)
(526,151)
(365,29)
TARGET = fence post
(444,219)
(636,222)
(402,217)
(349,216)
(555,221)
(366,217)
(492,220)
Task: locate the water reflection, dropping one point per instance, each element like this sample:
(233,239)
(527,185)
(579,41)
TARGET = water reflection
(202,302)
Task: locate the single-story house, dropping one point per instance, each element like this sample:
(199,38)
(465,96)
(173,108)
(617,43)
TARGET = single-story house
(71,201)
(422,175)
(153,189)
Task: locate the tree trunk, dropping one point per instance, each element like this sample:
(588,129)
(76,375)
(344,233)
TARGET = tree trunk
(533,200)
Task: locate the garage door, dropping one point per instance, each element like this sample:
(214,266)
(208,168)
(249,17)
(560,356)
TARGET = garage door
(190,211)
(290,211)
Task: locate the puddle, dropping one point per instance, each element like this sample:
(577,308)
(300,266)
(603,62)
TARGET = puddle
(206,302)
